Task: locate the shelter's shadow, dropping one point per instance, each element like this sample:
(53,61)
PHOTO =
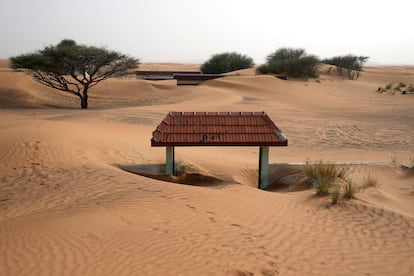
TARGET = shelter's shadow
(408,171)
(184,174)
(287,178)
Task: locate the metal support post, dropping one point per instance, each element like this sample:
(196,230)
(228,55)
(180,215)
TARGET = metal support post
(169,164)
(263,167)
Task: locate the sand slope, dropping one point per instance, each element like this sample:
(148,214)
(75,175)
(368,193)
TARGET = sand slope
(67,208)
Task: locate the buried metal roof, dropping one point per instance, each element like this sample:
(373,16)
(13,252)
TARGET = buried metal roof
(217,129)
(164,72)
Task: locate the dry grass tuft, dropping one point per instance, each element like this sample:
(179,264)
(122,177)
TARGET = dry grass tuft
(324,176)
(333,179)
(350,189)
(368,182)
(336,194)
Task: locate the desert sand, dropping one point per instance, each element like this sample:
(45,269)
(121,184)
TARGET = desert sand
(68,208)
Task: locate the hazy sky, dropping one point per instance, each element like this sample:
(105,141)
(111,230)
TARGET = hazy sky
(191,31)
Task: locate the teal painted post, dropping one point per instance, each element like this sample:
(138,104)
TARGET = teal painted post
(169,164)
(263,167)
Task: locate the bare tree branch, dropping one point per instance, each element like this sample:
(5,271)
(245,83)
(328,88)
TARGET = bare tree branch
(54,81)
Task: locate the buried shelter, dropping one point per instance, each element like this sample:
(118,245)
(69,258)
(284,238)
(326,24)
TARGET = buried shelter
(200,129)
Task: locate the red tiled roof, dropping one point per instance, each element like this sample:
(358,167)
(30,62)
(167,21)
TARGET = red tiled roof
(217,129)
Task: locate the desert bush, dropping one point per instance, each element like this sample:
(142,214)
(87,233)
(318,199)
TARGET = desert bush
(226,62)
(263,69)
(349,66)
(291,62)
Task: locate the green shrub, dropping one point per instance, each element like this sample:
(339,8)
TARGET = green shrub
(291,62)
(348,66)
(226,62)
(263,69)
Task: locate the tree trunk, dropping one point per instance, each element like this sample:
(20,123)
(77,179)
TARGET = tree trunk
(84,98)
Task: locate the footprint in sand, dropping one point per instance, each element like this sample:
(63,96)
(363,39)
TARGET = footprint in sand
(124,220)
(166,197)
(269,272)
(191,207)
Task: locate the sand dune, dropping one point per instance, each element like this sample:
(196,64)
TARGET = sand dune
(69,207)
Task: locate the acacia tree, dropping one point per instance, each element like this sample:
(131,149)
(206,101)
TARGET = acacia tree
(226,62)
(349,65)
(73,68)
(291,62)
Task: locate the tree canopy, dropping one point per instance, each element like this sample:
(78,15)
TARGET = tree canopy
(291,62)
(72,67)
(348,65)
(226,62)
